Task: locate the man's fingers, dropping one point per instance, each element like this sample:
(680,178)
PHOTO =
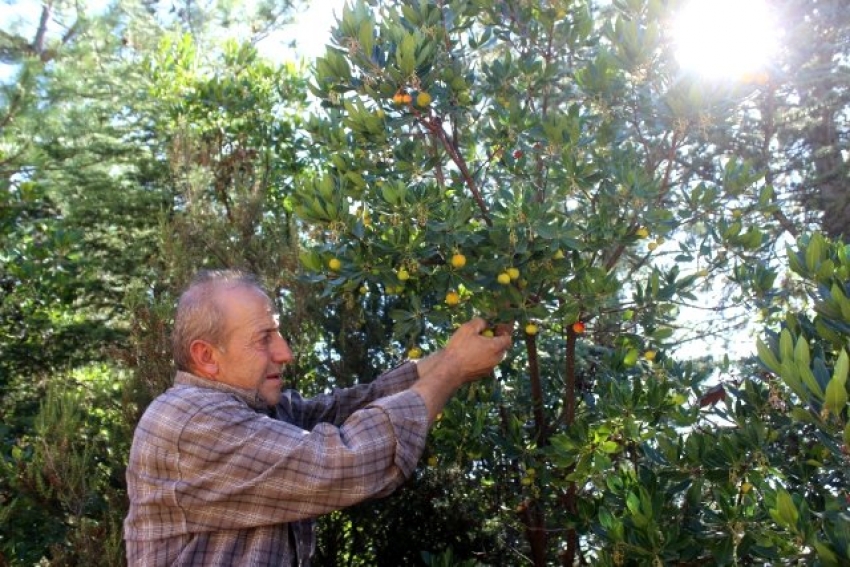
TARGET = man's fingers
(477,325)
(504,329)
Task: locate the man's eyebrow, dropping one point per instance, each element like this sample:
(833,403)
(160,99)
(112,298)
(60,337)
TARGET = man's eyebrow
(271,328)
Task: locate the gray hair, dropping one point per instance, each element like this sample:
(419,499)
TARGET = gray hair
(200,316)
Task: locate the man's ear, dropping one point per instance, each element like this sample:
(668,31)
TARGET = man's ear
(204,358)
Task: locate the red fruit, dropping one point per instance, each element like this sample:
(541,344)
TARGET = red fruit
(518,154)
(578,327)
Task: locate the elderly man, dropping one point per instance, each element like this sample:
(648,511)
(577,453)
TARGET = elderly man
(225,469)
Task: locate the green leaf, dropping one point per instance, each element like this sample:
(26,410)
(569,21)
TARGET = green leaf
(311,260)
(801,353)
(826,555)
(802,415)
(786,510)
(825,271)
(847,435)
(794,261)
(633,503)
(841,368)
(791,377)
(766,195)
(814,252)
(808,378)
(836,397)
(786,346)
(841,300)
(606,519)
(767,357)
(631,357)
(406,55)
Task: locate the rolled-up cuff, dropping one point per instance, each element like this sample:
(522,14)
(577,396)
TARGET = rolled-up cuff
(409,417)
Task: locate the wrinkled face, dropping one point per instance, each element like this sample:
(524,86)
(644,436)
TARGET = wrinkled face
(254,352)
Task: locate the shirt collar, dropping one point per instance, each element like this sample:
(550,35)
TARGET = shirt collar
(250,397)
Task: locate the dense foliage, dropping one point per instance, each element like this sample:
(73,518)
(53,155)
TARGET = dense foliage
(546,164)
(550,165)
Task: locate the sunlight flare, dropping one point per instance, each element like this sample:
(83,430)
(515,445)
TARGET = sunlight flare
(725,38)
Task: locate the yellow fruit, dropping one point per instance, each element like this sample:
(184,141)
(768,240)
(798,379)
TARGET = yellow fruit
(513,273)
(487,332)
(702,273)
(746,487)
(642,232)
(423,99)
(559,255)
(649,355)
(531,329)
(452,298)
(652,245)
(504,278)
(364,290)
(334,264)
(526,481)
(403,275)
(432,461)
(458,261)
(414,353)
(531,471)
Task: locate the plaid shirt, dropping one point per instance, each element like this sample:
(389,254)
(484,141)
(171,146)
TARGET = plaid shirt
(214,479)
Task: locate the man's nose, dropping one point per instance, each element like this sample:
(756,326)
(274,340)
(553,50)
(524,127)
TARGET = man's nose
(282,353)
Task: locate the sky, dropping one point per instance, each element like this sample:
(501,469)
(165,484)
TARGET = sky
(311,32)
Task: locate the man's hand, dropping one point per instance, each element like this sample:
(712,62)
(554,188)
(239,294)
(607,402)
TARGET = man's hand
(472,355)
(468,356)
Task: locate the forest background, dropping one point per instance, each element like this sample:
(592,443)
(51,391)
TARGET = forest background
(545,162)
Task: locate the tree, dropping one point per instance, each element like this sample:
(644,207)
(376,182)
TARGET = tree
(106,167)
(80,198)
(793,126)
(546,163)
(81,190)
(808,111)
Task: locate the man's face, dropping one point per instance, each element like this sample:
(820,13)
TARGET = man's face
(254,351)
